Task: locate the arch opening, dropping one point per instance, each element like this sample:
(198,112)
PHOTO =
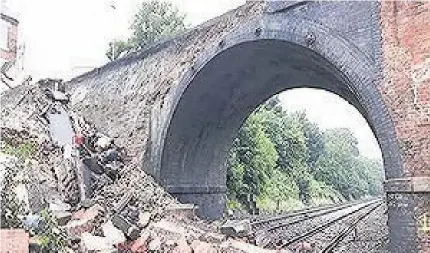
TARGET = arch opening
(229,87)
(294,150)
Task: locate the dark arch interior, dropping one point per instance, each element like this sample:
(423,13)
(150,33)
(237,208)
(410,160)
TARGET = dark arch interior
(223,94)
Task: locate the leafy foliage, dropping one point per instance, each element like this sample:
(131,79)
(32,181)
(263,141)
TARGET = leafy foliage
(116,48)
(284,161)
(22,151)
(155,20)
(10,204)
(51,236)
(313,136)
(252,161)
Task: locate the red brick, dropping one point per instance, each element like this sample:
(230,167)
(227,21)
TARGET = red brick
(406,47)
(84,221)
(14,241)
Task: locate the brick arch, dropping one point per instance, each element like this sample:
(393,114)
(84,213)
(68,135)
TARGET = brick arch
(252,63)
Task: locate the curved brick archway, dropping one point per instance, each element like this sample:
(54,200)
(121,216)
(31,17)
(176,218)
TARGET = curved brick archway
(160,103)
(259,60)
(251,64)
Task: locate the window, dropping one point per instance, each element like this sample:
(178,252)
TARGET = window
(4,30)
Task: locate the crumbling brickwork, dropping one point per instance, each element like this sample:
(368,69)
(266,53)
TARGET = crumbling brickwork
(406,88)
(405,30)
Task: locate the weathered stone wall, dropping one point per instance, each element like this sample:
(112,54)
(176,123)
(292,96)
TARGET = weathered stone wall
(405,29)
(122,97)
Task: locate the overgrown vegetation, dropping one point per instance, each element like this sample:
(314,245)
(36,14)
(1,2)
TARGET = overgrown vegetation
(10,205)
(281,161)
(14,210)
(22,151)
(51,237)
(154,21)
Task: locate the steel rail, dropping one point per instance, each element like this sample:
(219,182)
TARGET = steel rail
(308,217)
(263,235)
(345,232)
(308,211)
(326,225)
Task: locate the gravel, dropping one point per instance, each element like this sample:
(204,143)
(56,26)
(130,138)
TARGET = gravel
(372,235)
(372,232)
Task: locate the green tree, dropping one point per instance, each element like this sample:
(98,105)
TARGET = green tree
(287,137)
(284,160)
(253,160)
(343,139)
(313,136)
(116,48)
(341,167)
(155,20)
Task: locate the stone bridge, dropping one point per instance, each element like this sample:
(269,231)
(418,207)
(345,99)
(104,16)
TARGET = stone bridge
(177,106)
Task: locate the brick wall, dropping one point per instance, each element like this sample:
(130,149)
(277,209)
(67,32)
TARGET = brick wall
(13,240)
(405,28)
(406,48)
(12,36)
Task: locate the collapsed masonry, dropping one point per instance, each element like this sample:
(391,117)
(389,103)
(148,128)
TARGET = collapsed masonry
(84,162)
(53,159)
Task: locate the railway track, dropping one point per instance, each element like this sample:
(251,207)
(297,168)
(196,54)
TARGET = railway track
(277,232)
(259,224)
(348,230)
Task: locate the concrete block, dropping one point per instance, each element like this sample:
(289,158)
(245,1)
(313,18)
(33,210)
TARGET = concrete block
(236,228)
(91,243)
(113,234)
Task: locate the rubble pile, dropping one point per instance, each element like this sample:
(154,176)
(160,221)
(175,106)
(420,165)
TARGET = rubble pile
(82,192)
(80,184)
(29,155)
(11,205)
(23,110)
(147,196)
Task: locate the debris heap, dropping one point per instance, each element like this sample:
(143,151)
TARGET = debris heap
(71,188)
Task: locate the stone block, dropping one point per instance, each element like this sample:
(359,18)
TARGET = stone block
(202,247)
(236,228)
(131,231)
(181,211)
(213,237)
(113,234)
(91,243)
(144,219)
(63,217)
(83,221)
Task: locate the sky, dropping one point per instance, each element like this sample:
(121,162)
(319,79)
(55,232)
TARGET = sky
(64,38)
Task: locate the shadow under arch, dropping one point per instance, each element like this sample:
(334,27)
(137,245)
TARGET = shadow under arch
(258,60)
